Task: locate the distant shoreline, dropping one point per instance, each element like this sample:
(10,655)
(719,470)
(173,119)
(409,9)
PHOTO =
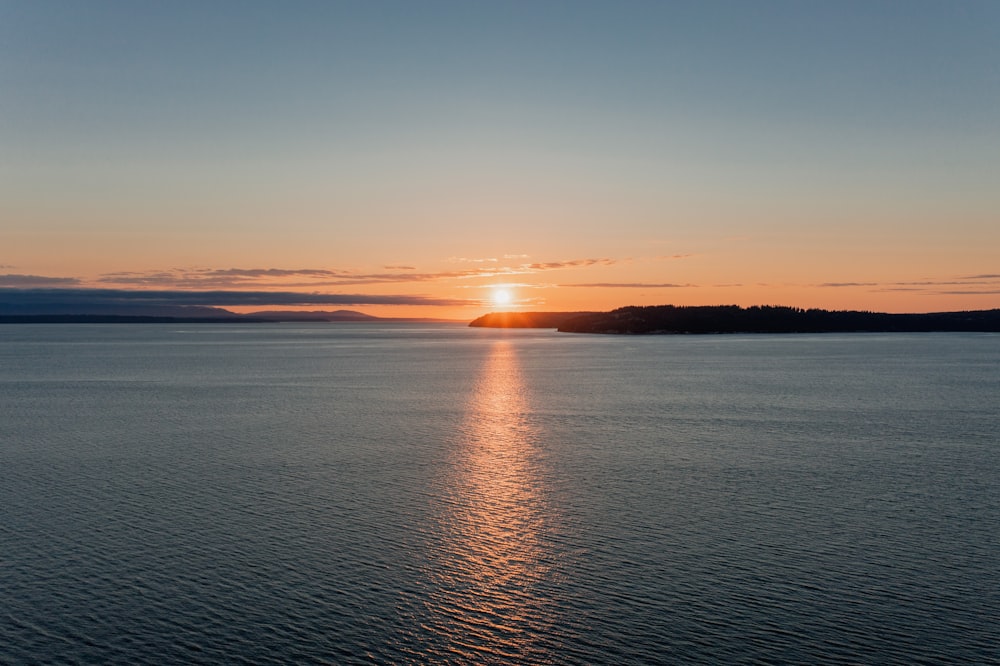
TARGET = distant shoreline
(679,320)
(631,320)
(156,319)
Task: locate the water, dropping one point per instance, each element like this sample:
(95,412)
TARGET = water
(437,494)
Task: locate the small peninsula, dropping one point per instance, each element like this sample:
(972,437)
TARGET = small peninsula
(528,319)
(671,319)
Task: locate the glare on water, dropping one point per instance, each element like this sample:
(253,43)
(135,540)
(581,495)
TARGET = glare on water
(492,515)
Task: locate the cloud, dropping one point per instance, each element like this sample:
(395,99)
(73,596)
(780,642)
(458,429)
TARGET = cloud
(631,285)
(510,285)
(849,284)
(314,278)
(118,297)
(572,263)
(13,280)
(467,260)
(273,272)
(971,292)
(214,277)
(235,278)
(926,286)
(671,257)
(934,283)
(947,287)
(156,278)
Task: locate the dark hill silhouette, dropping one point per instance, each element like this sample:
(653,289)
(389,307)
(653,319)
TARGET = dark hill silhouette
(527,319)
(668,319)
(312,315)
(774,319)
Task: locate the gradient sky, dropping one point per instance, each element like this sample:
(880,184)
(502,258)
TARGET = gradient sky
(406,157)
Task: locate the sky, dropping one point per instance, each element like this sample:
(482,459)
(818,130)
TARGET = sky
(447,159)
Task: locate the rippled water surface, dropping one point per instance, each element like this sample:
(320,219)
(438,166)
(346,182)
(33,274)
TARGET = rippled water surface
(433,494)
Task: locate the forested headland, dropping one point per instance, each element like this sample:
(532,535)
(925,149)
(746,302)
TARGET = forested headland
(667,319)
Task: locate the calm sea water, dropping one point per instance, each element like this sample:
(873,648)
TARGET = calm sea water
(432,494)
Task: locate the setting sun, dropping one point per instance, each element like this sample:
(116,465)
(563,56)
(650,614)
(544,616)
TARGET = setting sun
(502,297)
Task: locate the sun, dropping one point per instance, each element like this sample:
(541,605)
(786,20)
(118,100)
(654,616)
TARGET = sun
(502,297)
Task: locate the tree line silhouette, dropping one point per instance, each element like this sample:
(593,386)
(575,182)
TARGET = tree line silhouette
(736,319)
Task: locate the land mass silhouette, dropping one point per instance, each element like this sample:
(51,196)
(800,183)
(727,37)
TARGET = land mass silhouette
(673,319)
(184,315)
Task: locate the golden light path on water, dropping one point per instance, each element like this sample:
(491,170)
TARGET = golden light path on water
(490,602)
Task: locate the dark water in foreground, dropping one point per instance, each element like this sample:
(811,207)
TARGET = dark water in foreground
(417,494)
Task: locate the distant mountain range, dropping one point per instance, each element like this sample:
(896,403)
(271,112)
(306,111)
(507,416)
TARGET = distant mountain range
(313,315)
(47,313)
(668,319)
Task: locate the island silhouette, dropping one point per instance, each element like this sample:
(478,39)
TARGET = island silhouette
(675,319)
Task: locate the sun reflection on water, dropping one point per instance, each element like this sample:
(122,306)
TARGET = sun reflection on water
(491,574)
